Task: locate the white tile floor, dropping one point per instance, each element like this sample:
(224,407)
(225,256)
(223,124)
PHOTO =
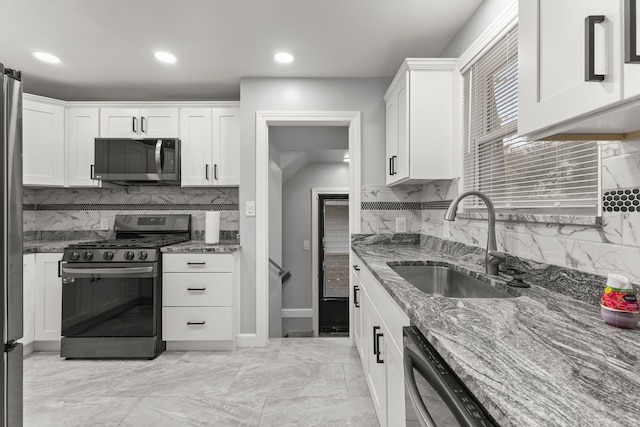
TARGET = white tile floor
(292,382)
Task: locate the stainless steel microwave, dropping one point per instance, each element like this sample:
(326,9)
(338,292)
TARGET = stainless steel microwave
(137,161)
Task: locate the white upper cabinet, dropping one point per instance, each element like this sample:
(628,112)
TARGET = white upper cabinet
(82,129)
(421,110)
(42,143)
(139,123)
(573,77)
(210,140)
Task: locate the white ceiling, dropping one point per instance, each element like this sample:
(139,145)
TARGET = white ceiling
(107,46)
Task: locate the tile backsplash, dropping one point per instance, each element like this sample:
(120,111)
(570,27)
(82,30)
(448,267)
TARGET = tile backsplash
(603,245)
(74,209)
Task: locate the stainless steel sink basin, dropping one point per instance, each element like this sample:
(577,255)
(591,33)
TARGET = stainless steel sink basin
(444,281)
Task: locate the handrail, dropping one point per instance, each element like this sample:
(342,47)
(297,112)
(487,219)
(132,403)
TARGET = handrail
(281,270)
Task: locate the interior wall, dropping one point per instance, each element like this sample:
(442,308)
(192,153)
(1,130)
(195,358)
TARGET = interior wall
(299,94)
(296,214)
(482,18)
(275,242)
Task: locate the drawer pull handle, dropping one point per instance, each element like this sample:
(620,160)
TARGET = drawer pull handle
(196,289)
(190,323)
(196,263)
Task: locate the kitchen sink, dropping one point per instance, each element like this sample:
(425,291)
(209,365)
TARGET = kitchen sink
(445,281)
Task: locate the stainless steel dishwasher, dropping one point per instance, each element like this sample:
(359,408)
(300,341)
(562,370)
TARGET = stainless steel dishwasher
(434,395)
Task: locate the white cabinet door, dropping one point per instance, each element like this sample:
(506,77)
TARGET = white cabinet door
(376,374)
(226,146)
(42,144)
(393,124)
(119,122)
(48,318)
(82,129)
(159,123)
(28,299)
(552,66)
(631,71)
(139,123)
(356,309)
(197,148)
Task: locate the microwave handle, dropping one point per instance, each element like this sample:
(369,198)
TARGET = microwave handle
(159,156)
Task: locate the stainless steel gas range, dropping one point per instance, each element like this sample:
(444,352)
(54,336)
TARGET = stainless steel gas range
(112,289)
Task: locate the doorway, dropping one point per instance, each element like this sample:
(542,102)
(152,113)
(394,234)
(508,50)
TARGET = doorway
(264,120)
(333,268)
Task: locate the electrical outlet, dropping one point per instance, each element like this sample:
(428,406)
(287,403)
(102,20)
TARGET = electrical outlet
(306,245)
(104,223)
(401,225)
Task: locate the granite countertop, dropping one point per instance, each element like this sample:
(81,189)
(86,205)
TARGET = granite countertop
(542,358)
(200,246)
(47,246)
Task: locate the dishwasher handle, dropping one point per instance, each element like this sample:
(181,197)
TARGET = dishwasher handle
(411,361)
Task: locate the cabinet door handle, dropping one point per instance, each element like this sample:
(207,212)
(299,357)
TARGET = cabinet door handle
(395,163)
(197,289)
(134,124)
(356,303)
(356,268)
(59,268)
(630,32)
(390,165)
(206,171)
(142,120)
(589,49)
(190,323)
(91,170)
(215,171)
(196,263)
(375,341)
(378,360)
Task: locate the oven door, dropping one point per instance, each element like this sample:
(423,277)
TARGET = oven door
(110,300)
(434,395)
(137,160)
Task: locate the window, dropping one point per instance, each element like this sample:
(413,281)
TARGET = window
(559,177)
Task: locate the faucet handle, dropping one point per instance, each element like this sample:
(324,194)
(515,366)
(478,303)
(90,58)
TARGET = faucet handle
(497,254)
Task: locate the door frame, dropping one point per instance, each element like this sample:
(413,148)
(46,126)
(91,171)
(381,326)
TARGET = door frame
(264,119)
(315,284)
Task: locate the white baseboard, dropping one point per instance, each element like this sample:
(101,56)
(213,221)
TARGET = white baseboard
(246,340)
(200,345)
(46,346)
(297,313)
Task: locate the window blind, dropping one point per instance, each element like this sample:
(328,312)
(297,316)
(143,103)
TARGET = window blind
(533,176)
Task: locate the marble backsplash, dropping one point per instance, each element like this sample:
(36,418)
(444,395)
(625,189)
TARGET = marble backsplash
(51,210)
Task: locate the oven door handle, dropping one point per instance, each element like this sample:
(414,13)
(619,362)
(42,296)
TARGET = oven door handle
(111,272)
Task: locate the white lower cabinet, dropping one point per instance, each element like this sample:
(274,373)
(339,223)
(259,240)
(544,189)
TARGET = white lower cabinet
(28,302)
(199,294)
(48,302)
(378,323)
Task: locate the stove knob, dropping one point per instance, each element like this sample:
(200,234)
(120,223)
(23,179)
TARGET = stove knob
(129,255)
(142,255)
(75,256)
(87,255)
(108,255)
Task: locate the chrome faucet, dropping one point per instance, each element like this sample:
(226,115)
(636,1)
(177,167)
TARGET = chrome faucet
(493,257)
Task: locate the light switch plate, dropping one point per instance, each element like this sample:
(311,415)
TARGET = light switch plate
(104,223)
(251,209)
(401,225)
(306,244)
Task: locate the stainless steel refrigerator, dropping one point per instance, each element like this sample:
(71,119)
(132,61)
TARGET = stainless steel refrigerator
(11,214)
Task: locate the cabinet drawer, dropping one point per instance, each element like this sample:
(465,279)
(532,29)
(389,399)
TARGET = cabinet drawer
(197,262)
(197,289)
(197,323)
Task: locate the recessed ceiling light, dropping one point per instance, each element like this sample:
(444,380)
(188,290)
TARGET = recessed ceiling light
(283,57)
(47,57)
(165,57)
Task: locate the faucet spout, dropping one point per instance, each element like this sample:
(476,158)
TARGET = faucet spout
(493,257)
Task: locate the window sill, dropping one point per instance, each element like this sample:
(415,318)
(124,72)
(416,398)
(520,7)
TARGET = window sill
(536,218)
